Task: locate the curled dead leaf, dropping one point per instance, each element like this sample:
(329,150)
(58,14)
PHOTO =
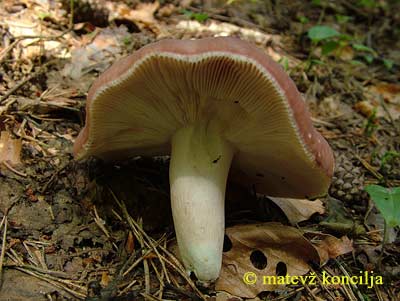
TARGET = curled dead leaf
(365,108)
(142,15)
(298,210)
(330,247)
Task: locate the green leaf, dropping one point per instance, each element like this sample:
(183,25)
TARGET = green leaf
(316,2)
(284,63)
(44,15)
(317,62)
(367,3)
(201,17)
(303,19)
(356,63)
(387,200)
(369,58)
(329,46)
(187,12)
(342,19)
(361,47)
(388,64)
(321,32)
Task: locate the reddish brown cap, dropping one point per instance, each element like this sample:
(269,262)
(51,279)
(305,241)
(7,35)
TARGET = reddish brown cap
(136,106)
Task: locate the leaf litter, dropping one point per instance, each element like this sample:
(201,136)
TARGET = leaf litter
(271,250)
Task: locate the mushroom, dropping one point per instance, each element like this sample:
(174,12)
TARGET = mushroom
(208,103)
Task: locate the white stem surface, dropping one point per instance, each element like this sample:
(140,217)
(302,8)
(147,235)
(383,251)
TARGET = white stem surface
(200,161)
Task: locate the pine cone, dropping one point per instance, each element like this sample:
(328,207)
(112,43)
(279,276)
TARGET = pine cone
(348,180)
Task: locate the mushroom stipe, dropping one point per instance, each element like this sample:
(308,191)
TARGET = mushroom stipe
(217,106)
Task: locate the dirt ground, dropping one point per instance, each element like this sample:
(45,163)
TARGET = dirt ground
(90,230)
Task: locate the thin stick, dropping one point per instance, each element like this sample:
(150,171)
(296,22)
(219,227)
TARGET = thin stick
(3,245)
(385,234)
(20,173)
(354,286)
(145,263)
(137,261)
(136,227)
(24,81)
(53,282)
(150,297)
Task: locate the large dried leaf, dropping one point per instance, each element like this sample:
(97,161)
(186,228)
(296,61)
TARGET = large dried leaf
(267,249)
(142,15)
(98,54)
(298,210)
(10,149)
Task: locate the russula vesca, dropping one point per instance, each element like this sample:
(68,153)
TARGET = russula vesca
(208,103)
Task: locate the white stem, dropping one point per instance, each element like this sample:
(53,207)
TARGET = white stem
(200,161)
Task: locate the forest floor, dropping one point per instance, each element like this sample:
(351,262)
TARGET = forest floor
(91,230)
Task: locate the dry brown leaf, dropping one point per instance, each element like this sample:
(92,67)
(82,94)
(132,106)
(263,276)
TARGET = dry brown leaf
(346,53)
(105,279)
(390,92)
(10,149)
(365,108)
(284,248)
(130,243)
(223,296)
(142,15)
(384,94)
(329,246)
(298,210)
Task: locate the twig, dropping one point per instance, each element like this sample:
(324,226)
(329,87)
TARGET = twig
(323,122)
(150,297)
(101,225)
(145,264)
(289,294)
(311,292)
(3,245)
(331,296)
(5,163)
(151,244)
(159,277)
(58,274)
(384,240)
(354,286)
(56,282)
(135,227)
(125,290)
(24,81)
(137,261)
(182,292)
(53,176)
(372,170)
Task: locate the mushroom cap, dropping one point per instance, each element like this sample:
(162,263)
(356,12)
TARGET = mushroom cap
(136,106)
